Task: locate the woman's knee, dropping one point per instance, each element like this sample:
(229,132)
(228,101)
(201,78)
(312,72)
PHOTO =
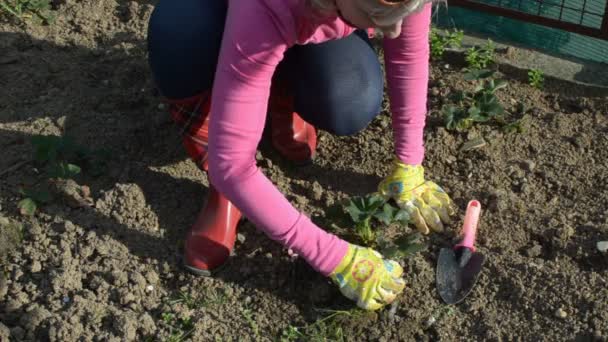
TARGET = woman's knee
(184,39)
(351,117)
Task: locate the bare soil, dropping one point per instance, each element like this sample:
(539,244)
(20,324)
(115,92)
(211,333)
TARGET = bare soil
(111,270)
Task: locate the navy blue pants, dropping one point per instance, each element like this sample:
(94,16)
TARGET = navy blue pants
(337,85)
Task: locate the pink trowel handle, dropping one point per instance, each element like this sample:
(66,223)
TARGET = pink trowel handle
(469,227)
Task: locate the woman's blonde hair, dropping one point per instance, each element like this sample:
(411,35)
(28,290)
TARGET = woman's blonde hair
(381,12)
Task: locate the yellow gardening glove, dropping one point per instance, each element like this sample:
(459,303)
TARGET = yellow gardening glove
(427,203)
(364,276)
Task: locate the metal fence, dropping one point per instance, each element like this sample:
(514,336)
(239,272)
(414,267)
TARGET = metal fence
(587,17)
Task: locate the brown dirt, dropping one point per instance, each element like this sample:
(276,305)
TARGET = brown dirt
(111,270)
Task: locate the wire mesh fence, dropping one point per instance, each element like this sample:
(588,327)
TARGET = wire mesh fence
(587,17)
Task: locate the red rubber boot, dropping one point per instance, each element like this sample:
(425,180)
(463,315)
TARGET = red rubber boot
(293,137)
(210,241)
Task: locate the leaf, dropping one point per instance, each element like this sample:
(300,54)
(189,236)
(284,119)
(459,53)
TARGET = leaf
(46,147)
(408,239)
(387,214)
(62,170)
(402,217)
(412,249)
(373,202)
(477,74)
(494,109)
(354,210)
(41,196)
(72,170)
(458,96)
(500,84)
(27,207)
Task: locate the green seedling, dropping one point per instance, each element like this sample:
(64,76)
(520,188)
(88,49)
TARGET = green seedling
(369,214)
(324,329)
(62,155)
(440,42)
(516,126)
(179,328)
(210,297)
(58,157)
(29,204)
(363,209)
(480,105)
(480,57)
(24,9)
(252,323)
(536,78)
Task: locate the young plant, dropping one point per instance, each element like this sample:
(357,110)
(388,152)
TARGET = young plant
(480,105)
(440,42)
(22,9)
(480,57)
(370,214)
(363,209)
(536,78)
(57,156)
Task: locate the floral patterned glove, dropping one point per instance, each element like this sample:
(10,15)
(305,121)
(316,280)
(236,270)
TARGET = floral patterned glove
(364,276)
(426,202)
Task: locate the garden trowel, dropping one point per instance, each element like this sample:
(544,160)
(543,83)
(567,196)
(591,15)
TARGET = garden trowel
(458,267)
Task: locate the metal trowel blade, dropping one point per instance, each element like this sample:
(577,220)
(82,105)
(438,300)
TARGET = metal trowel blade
(454,282)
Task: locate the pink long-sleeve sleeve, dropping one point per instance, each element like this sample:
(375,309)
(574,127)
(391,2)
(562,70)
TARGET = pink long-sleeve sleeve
(407,73)
(256,35)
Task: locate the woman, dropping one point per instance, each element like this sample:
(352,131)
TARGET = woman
(309,64)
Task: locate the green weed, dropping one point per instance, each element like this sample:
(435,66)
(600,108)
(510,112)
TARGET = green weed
(210,297)
(179,328)
(252,323)
(480,57)
(323,330)
(536,78)
(440,42)
(25,9)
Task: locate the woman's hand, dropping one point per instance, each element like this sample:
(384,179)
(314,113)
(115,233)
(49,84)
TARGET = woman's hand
(365,277)
(428,205)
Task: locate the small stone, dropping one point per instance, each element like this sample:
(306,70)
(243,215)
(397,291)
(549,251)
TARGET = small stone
(268,255)
(3,287)
(5,332)
(152,277)
(161,106)
(316,191)
(17,333)
(602,246)
(473,143)
(240,238)
(560,313)
(247,300)
(150,288)
(69,226)
(535,251)
(529,165)
(567,233)
(36,266)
